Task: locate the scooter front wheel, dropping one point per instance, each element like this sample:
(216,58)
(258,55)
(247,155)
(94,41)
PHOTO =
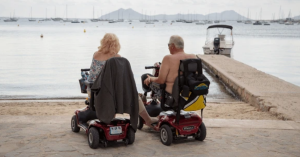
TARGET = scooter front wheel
(166,135)
(74,125)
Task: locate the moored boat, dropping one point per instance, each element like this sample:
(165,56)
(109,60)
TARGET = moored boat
(219,40)
(257,23)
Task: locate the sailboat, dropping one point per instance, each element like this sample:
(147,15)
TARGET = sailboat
(164,21)
(93,19)
(248,21)
(129,20)
(200,22)
(13,19)
(56,19)
(67,20)
(239,19)
(46,19)
(31,20)
(289,20)
(216,21)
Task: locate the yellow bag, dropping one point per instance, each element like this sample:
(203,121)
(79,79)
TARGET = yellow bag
(197,103)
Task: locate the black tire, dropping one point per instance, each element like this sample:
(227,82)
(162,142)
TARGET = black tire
(130,135)
(140,123)
(166,135)
(74,125)
(201,135)
(93,137)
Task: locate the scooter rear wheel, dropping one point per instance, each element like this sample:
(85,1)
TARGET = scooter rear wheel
(140,123)
(93,137)
(166,135)
(130,135)
(74,125)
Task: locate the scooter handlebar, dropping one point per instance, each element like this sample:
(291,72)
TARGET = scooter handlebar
(151,67)
(85,69)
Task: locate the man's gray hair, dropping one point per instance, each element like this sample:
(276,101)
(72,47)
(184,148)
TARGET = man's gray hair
(177,41)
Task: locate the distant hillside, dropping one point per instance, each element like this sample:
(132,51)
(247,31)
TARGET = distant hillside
(134,15)
(297,17)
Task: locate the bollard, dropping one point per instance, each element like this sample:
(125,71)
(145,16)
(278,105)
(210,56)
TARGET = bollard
(132,27)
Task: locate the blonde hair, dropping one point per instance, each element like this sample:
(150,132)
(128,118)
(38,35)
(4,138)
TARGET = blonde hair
(109,44)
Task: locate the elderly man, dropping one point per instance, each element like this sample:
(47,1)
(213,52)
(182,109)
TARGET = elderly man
(170,64)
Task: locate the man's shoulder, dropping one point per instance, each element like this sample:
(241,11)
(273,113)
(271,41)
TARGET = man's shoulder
(189,55)
(167,57)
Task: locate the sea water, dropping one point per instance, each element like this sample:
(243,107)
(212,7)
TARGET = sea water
(49,67)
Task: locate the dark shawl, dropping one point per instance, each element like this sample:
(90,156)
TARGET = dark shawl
(116,91)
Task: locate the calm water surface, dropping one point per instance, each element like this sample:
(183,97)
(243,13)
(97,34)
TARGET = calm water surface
(49,67)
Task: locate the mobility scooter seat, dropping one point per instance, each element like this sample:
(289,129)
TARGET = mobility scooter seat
(182,113)
(88,83)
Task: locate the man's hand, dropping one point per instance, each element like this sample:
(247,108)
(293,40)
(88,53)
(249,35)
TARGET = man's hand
(147,81)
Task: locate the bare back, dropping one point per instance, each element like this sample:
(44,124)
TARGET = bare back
(169,68)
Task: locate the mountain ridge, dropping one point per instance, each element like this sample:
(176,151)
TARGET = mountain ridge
(134,15)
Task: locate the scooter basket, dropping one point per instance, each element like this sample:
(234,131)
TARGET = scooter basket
(83,87)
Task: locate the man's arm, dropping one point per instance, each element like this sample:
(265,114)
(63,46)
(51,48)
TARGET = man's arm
(163,72)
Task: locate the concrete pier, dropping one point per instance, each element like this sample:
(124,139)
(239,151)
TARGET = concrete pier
(264,91)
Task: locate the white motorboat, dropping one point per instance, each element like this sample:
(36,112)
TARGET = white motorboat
(219,40)
(289,23)
(11,20)
(248,22)
(75,21)
(209,22)
(112,21)
(200,23)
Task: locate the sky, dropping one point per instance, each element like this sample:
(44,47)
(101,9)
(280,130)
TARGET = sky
(84,8)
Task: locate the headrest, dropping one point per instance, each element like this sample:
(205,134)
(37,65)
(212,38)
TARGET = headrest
(191,65)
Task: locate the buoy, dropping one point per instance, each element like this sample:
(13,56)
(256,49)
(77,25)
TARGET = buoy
(42,36)
(84,31)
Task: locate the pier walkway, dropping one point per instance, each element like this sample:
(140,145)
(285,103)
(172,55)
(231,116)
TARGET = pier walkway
(264,91)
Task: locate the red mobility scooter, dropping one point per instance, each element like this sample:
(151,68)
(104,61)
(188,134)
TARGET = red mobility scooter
(177,119)
(118,129)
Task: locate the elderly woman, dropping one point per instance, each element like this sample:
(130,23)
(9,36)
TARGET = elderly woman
(110,47)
